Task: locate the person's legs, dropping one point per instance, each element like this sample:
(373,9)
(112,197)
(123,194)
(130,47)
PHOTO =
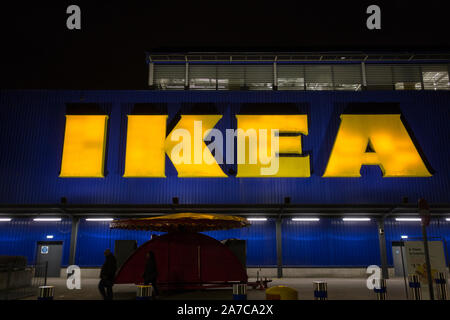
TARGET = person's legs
(101,288)
(109,292)
(155,288)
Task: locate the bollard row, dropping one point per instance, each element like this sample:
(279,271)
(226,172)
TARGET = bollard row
(46,293)
(240,291)
(414,287)
(441,286)
(380,289)
(144,292)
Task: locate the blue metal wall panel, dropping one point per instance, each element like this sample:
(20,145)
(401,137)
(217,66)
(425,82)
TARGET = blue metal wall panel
(261,242)
(330,242)
(439,229)
(32,132)
(96,236)
(19,237)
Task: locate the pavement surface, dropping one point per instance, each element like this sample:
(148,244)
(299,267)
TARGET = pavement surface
(338,289)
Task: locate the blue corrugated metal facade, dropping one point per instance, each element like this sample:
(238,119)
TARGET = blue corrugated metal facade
(32,133)
(328,242)
(19,237)
(31,140)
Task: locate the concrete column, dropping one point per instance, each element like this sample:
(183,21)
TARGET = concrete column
(279,249)
(382,243)
(73,240)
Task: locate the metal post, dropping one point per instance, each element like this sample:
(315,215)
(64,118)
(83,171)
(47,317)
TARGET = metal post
(363,74)
(404,271)
(275,77)
(441,286)
(45,273)
(73,240)
(414,287)
(382,243)
(150,74)
(186,76)
(320,290)
(380,289)
(427,261)
(279,249)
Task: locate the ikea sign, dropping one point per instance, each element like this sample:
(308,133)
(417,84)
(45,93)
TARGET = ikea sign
(262,146)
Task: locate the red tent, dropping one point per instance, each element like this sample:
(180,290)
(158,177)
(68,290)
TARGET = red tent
(185,260)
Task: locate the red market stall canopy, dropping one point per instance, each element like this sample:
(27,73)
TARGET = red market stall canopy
(187,222)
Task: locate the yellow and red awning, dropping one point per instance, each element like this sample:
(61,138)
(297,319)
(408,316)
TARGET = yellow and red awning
(188,222)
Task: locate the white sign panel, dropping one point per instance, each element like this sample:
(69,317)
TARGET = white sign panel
(415,261)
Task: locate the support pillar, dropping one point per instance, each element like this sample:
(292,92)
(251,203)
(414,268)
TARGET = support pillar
(73,240)
(279,249)
(382,243)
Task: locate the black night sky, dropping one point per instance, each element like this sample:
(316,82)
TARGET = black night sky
(39,52)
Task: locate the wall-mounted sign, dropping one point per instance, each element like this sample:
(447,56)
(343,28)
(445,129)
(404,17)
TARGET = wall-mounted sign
(44,249)
(415,261)
(261,146)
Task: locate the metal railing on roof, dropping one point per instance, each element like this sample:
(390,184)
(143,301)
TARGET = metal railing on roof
(222,57)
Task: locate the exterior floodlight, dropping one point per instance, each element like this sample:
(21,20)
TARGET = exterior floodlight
(257,219)
(305,219)
(50,236)
(356,219)
(99,219)
(404,237)
(447,219)
(5,219)
(408,219)
(46,219)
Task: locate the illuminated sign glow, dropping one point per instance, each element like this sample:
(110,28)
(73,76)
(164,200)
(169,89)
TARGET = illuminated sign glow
(394,151)
(84,146)
(267,146)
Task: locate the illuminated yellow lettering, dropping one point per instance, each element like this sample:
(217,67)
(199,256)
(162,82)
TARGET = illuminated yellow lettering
(292,166)
(393,150)
(197,160)
(145,153)
(84,146)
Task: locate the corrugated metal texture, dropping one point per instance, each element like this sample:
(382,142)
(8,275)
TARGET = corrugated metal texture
(330,242)
(32,132)
(19,237)
(439,229)
(261,241)
(96,236)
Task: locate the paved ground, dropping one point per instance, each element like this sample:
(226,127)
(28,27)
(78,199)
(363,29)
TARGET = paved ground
(338,288)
